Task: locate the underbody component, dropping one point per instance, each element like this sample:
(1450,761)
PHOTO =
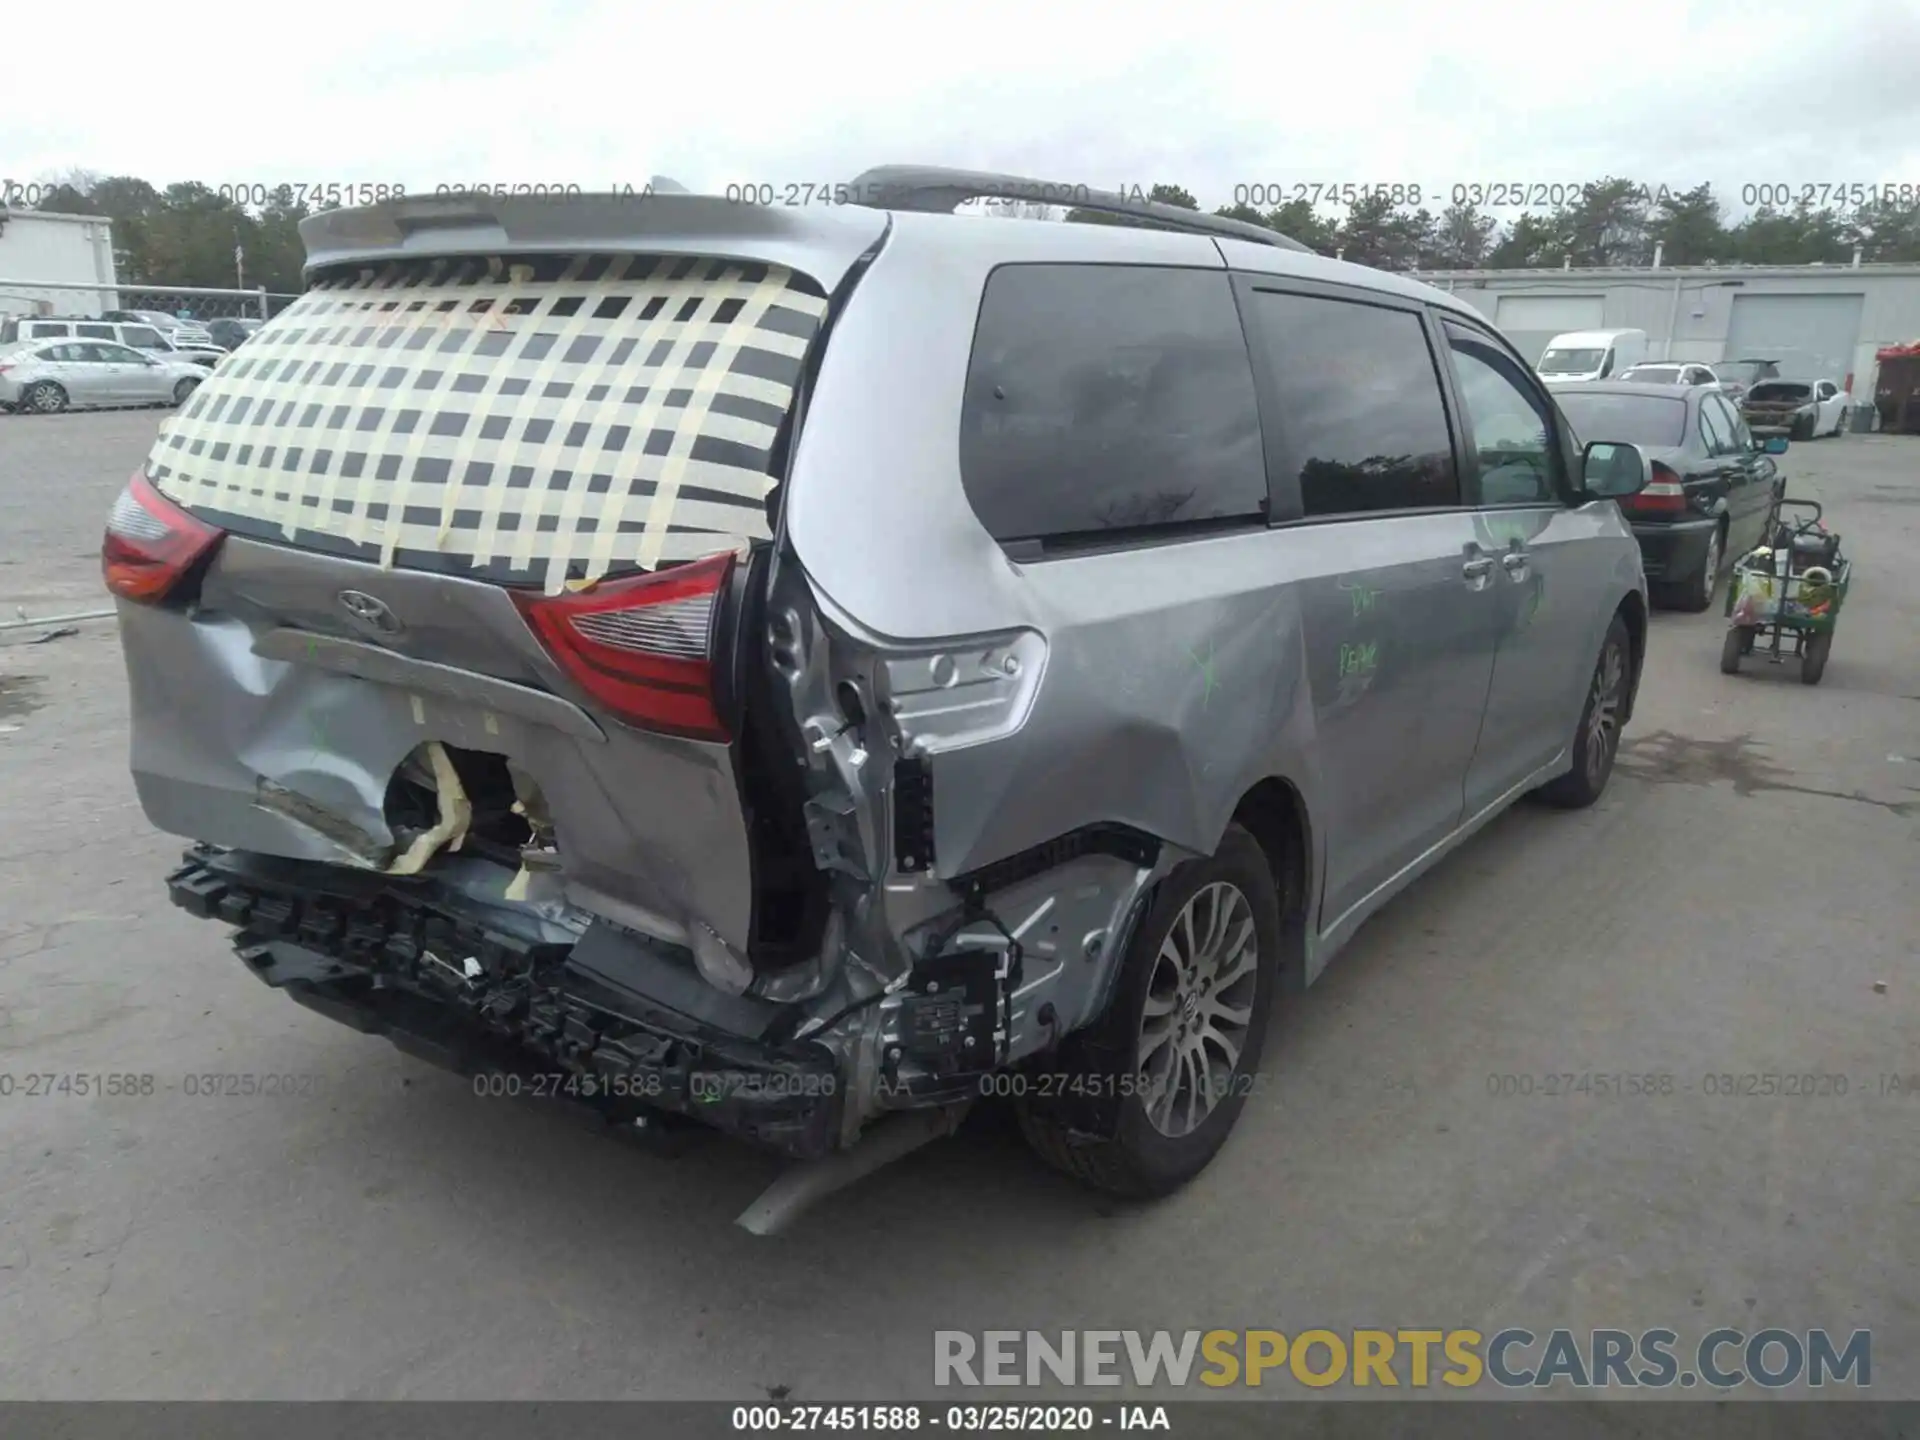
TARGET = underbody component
(913,814)
(477,990)
(954,1022)
(802,1185)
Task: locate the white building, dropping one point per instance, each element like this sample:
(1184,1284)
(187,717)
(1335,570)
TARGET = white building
(39,250)
(1819,321)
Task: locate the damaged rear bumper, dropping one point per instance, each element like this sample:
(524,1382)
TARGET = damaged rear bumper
(461,985)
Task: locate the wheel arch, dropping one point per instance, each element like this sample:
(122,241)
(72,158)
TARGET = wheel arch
(1274,812)
(1632,609)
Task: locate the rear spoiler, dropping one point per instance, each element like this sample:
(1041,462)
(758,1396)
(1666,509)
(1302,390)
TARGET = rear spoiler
(821,242)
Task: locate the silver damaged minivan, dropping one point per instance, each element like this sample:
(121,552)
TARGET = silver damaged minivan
(779,668)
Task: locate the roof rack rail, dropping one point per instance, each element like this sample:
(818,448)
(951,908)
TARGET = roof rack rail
(935,190)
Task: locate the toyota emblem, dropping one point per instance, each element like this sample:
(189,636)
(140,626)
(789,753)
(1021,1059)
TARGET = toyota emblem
(370,613)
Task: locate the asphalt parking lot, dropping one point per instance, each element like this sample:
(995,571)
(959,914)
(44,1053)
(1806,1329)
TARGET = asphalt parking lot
(1743,902)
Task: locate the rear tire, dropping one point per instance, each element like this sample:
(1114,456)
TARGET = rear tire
(1597,740)
(1697,595)
(1739,642)
(1168,1002)
(183,390)
(1813,657)
(44,398)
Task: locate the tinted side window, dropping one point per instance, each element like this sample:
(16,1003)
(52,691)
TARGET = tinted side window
(1731,422)
(1363,426)
(1104,398)
(1512,431)
(1713,430)
(95,332)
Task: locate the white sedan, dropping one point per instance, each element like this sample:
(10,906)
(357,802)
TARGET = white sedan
(44,377)
(1800,409)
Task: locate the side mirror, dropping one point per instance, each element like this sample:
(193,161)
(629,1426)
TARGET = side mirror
(1613,470)
(1776,445)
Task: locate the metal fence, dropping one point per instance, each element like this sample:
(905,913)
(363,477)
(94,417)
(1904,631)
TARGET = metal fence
(68,298)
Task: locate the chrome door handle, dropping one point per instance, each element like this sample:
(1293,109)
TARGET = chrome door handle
(1515,562)
(1477,568)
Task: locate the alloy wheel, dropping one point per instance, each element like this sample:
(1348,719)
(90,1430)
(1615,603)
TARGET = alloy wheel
(1198,1009)
(1603,720)
(1710,570)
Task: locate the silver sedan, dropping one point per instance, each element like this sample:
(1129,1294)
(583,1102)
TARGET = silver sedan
(43,377)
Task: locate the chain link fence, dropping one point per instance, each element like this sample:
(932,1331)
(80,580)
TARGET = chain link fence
(32,298)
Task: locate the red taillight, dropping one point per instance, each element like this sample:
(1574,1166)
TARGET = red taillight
(151,543)
(642,647)
(1664,495)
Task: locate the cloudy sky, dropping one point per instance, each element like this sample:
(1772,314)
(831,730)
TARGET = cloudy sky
(1204,93)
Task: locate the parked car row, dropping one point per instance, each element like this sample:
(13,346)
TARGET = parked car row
(44,377)
(185,334)
(172,345)
(1713,482)
(1769,402)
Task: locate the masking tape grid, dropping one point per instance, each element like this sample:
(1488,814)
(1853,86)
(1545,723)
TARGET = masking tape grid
(532,419)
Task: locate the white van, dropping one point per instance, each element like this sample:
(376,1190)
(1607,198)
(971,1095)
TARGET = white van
(1590,355)
(151,338)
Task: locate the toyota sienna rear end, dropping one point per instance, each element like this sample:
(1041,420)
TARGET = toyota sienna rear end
(432,604)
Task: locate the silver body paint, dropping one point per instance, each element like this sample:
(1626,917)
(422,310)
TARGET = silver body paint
(1151,687)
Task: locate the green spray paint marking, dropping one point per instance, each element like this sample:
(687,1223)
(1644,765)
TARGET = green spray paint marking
(1364,597)
(1206,673)
(315,729)
(1359,659)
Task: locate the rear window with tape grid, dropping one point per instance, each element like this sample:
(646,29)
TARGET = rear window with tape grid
(520,419)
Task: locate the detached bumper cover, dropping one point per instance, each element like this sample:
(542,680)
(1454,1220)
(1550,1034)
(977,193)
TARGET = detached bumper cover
(457,987)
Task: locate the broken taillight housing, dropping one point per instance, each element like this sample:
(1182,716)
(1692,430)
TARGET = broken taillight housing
(642,647)
(151,544)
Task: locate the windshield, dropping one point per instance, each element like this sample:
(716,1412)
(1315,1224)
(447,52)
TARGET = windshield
(1570,362)
(1652,420)
(1779,390)
(1654,375)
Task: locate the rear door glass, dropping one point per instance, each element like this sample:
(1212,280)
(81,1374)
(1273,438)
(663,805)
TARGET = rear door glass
(1364,426)
(521,419)
(1108,401)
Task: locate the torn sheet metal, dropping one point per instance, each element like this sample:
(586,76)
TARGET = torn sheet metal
(546,419)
